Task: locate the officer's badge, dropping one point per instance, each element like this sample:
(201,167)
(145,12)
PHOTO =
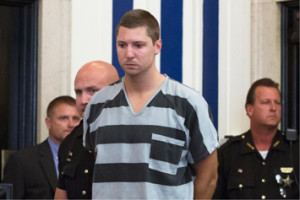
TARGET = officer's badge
(287,182)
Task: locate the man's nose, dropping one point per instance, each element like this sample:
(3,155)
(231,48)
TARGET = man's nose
(85,98)
(273,106)
(129,52)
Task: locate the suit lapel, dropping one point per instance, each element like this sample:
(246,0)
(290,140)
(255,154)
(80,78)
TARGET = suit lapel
(47,163)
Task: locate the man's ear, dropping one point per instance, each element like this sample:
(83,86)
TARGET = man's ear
(158,45)
(48,122)
(249,110)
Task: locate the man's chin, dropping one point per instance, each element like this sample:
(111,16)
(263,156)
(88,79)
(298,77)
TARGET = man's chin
(272,126)
(82,113)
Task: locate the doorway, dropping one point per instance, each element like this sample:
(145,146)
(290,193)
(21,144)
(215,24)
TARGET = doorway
(290,69)
(18,74)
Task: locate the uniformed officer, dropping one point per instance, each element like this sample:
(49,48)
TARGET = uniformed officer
(261,163)
(75,162)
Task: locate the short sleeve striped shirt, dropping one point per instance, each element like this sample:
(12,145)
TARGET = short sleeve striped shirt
(146,155)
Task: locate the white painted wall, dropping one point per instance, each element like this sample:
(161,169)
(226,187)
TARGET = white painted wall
(249,49)
(266,39)
(234,65)
(54,57)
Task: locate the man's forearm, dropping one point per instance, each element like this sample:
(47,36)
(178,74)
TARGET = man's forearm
(204,190)
(206,177)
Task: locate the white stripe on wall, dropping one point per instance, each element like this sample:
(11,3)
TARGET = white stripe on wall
(192,44)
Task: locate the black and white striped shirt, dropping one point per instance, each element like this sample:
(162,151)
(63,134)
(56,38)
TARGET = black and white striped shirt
(146,155)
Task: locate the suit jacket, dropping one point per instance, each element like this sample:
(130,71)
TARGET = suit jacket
(32,173)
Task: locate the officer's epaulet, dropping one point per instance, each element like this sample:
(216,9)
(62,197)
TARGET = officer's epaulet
(233,139)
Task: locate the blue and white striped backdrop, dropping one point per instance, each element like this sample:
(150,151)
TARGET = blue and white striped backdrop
(171,18)
(189,32)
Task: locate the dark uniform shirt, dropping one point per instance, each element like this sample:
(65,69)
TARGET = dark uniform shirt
(244,174)
(75,166)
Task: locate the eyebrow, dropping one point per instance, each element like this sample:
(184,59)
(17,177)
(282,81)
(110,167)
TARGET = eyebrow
(92,87)
(88,88)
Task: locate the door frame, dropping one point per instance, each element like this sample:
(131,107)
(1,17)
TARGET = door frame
(289,75)
(23,97)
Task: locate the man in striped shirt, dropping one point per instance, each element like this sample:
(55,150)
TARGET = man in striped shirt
(152,136)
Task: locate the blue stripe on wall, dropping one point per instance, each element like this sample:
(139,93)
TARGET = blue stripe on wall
(120,7)
(171,34)
(210,55)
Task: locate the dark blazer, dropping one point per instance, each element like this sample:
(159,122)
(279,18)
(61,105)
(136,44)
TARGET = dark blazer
(32,173)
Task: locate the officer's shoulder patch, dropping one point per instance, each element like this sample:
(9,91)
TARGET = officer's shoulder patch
(237,138)
(232,140)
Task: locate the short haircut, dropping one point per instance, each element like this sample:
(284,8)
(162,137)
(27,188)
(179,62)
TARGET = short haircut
(60,100)
(266,82)
(140,18)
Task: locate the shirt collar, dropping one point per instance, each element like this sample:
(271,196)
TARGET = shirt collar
(248,144)
(54,147)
